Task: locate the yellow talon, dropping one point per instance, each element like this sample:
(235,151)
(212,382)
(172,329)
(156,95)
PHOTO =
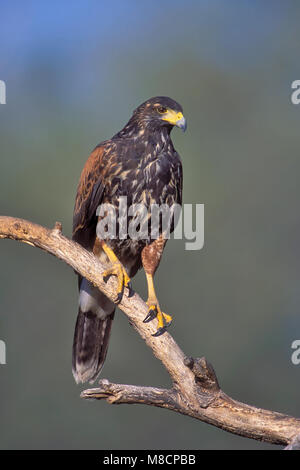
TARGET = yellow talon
(163,319)
(160,319)
(117,269)
(168,319)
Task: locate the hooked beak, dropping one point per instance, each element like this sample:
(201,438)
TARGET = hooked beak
(176,119)
(181,123)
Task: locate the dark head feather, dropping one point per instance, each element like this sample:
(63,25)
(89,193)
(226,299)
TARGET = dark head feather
(147,116)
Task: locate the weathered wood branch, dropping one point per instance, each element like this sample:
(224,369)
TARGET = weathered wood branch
(195,391)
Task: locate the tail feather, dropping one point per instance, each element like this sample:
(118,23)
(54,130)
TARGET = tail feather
(90,345)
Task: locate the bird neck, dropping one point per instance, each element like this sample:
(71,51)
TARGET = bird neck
(155,138)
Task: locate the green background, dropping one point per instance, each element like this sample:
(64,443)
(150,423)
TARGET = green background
(74,72)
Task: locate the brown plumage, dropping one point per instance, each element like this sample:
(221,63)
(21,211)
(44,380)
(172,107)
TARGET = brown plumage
(140,163)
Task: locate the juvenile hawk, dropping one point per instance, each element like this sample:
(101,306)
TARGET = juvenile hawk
(139,162)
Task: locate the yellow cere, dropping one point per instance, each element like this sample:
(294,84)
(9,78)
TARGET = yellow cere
(172,117)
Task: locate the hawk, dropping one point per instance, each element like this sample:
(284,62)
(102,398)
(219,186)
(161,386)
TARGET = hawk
(141,164)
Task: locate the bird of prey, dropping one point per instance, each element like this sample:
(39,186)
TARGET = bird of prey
(140,163)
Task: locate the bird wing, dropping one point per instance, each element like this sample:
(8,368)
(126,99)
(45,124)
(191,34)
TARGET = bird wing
(89,195)
(178,198)
(96,312)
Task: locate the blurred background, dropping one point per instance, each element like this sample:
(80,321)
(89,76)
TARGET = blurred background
(74,72)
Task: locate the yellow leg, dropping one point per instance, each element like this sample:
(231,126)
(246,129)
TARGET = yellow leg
(164,320)
(117,269)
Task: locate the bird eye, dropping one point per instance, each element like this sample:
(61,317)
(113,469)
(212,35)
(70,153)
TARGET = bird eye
(161,110)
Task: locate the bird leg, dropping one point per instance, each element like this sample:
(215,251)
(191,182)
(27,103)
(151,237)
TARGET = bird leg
(117,269)
(164,320)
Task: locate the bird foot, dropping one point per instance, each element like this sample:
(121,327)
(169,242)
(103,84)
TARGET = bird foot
(164,320)
(117,269)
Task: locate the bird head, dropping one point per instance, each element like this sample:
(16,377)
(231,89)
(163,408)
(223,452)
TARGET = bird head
(159,112)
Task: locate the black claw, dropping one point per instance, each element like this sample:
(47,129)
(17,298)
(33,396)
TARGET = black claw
(131,291)
(119,297)
(150,316)
(160,331)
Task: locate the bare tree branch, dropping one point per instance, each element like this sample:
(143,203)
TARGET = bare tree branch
(195,391)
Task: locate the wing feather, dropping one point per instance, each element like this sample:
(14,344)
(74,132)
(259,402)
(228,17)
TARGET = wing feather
(89,195)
